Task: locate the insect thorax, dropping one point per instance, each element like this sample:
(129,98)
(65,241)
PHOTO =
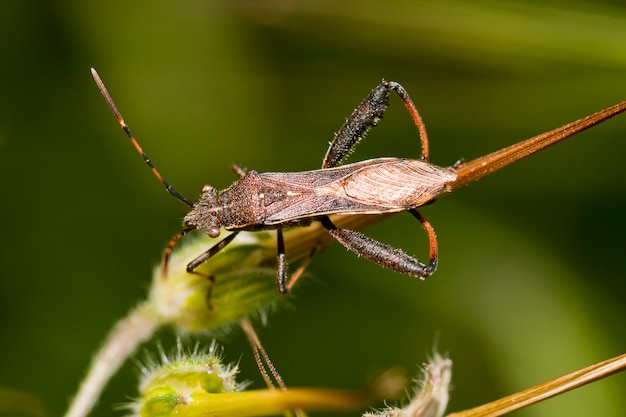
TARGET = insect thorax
(243,203)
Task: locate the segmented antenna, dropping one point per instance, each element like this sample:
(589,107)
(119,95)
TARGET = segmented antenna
(120,120)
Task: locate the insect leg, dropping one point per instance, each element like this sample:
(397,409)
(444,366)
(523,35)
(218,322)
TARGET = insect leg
(433,257)
(167,253)
(366,115)
(417,119)
(281,263)
(281,270)
(385,255)
(191,266)
(238,170)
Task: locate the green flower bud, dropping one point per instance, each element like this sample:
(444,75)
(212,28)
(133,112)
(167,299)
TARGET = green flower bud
(243,284)
(199,384)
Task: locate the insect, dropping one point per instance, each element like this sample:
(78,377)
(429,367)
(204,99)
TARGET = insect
(277,200)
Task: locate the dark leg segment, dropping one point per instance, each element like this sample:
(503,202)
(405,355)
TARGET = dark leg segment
(369,112)
(281,266)
(191,267)
(385,255)
(281,263)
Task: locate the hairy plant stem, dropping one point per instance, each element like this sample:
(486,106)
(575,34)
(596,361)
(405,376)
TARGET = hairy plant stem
(126,336)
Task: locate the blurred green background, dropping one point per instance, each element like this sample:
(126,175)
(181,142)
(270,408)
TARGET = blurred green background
(531,278)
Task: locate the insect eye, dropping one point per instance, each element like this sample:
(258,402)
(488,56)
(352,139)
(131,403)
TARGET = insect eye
(207,189)
(213,232)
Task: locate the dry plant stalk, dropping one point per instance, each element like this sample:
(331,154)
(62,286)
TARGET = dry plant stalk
(547,389)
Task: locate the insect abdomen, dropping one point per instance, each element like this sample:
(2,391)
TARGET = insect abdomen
(405,183)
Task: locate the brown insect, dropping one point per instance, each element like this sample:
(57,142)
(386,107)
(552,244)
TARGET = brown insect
(276,200)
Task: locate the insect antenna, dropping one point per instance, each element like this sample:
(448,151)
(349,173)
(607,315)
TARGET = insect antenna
(120,120)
